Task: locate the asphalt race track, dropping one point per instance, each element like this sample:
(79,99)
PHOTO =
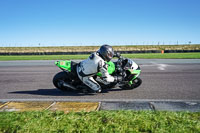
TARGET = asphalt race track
(163,79)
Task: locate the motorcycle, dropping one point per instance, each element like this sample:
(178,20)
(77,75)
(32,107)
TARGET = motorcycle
(125,68)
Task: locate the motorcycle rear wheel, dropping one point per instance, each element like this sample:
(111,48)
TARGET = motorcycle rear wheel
(59,79)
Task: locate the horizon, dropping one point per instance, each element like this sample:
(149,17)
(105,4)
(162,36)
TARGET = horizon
(40,46)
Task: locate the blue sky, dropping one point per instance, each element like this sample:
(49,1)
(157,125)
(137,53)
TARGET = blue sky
(96,22)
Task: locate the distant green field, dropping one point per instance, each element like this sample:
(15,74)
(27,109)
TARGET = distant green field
(164,56)
(74,57)
(101,121)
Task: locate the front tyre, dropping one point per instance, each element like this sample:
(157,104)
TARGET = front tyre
(136,83)
(59,79)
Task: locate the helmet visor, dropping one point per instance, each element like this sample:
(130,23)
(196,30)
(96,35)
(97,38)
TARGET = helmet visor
(110,55)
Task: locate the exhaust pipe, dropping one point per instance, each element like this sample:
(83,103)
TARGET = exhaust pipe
(69,86)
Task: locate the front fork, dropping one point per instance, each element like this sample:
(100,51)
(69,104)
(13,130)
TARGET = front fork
(136,73)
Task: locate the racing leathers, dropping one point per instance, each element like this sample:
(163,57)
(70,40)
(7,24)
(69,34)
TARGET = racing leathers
(90,67)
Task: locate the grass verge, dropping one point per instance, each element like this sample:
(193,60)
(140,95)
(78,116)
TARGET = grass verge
(74,57)
(102,121)
(164,56)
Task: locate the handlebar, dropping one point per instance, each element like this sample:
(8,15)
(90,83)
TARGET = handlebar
(118,55)
(119,64)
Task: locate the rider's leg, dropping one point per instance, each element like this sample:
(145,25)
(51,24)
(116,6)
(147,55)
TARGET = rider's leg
(92,84)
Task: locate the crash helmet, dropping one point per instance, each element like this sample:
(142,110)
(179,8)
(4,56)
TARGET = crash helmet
(106,52)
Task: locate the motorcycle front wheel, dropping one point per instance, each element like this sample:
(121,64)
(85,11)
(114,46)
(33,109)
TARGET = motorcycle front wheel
(136,83)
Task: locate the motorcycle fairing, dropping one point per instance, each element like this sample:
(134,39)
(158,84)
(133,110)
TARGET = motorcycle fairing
(111,68)
(134,72)
(66,65)
(133,68)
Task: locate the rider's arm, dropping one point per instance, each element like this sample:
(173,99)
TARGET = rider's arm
(103,67)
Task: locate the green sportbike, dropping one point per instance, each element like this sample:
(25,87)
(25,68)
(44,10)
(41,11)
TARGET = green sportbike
(125,68)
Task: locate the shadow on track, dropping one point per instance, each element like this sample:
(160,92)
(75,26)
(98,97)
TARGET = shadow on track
(56,92)
(51,92)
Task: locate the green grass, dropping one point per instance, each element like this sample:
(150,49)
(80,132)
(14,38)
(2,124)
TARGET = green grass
(43,57)
(164,56)
(70,57)
(102,121)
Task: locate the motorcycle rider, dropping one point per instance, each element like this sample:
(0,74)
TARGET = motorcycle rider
(86,69)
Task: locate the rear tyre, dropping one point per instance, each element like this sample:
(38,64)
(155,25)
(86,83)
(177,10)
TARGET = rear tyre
(59,79)
(136,83)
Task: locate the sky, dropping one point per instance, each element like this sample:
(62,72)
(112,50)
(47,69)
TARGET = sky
(97,22)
